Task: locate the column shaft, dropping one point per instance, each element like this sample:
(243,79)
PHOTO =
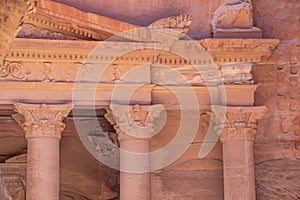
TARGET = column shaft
(134,126)
(238,164)
(237,127)
(134,186)
(43,169)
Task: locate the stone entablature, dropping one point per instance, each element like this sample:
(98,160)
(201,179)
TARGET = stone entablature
(62,62)
(225,50)
(42,120)
(237,123)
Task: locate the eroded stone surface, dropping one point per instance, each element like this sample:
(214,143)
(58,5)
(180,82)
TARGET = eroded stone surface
(278,133)
(11,19)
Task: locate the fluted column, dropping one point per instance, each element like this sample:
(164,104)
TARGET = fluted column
(134,126)
(237,127)
(43,125)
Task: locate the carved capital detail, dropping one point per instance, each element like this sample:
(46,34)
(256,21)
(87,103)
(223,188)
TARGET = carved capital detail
(42,120)
(133,122)
(237,123)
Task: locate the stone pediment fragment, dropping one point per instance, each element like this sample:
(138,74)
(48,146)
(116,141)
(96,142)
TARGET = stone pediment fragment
(17,159)
(180,23)
(58,21)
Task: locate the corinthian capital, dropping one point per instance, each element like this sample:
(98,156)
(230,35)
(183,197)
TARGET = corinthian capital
(237,123)
(41,120)
(132,122)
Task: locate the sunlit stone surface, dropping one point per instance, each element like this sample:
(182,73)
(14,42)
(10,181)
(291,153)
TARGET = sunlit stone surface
(207,91)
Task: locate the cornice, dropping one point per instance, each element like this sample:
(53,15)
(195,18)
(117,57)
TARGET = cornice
(68,21)
(226,50)
(221,50)
(64,19)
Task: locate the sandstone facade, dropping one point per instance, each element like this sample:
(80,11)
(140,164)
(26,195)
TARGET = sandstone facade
(149,100)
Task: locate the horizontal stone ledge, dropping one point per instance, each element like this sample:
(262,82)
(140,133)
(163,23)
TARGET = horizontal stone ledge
(77,94)
(87,94)
(228,50)
(235,95)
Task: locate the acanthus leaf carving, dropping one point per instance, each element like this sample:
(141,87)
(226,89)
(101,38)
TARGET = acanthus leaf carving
(181,21)
(42,120)
(135,121)
(239,123)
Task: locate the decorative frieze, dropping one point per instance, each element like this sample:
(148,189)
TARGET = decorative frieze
(16,186)
(30,61)
(14,169)
(42,120)
(14,70)
(239,73)
(237,123)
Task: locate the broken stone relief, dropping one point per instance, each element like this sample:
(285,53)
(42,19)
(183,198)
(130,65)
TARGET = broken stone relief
(235,19)
(32,32)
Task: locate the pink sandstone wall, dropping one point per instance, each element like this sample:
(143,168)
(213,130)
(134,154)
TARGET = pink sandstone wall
(277,145)
(277,142)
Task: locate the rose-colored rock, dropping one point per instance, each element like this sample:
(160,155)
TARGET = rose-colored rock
(237,135)
(43,127)
(43,71)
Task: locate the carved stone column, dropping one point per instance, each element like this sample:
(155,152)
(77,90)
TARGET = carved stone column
(43,125)
(237,134)
(134,126)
